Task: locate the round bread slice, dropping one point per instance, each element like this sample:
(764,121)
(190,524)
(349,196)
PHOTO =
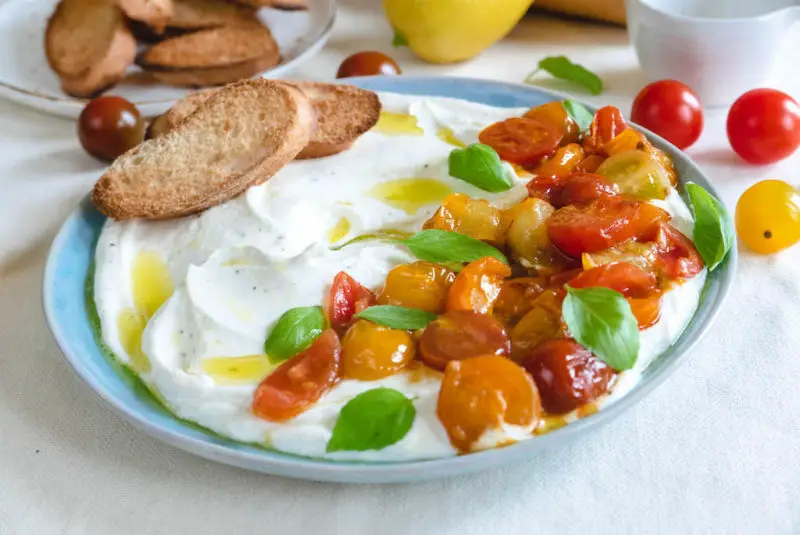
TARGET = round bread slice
(239,138)
(155,13)
(178,113)
(203,14)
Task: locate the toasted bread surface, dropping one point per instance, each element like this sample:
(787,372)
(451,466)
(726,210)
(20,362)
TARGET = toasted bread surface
(178,113)
(154,13)
(213,76)
(200,14)
(106,72)
(238,138)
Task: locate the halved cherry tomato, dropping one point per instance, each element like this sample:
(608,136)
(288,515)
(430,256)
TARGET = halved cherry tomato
(481,393)
(459,335)
(517,297)
(623,277)
(572,188)
(346,299)
(628,139)
(590,163)
(477,218)
(637,173)
(677,256)
(527,237)
(542,322)
(567,375)
(422,285)
(553,113)
(608,122)
(602,224)
(639,254)
(563,161)
(300,381)
(371,351)
(477,286)
(521,140)
(646,310)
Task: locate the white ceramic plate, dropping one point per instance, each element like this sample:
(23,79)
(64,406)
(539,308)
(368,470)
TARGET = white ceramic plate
(26,78)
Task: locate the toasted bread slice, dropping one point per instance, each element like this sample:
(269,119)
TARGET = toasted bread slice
(155,13)
(286,5)
(344,112)
(88,45)
(212,57)
(239,138)
(204,14)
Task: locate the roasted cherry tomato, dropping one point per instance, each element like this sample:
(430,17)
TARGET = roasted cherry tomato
(300,381)
(639,254)
(527,237)
(459,335)
(676,255)
(517,297)
(646,310)
(608,122)
(562,162)
(637,173)
(567,375)
(477,286)
(663,160)
(346,299)
(764,126)
(422,285)
(623,277)
(110,126)
(554,114)
(542,322)
(368,63)
(521,140)
(602,224)
(482,393)
(671,110)
(477,218)
(768,216)
(628,139)
(590,163)
(572,188)
(371,351)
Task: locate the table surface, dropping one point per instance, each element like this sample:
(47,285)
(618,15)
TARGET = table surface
(716,449)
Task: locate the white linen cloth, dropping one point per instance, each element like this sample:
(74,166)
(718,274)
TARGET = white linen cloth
(715,450)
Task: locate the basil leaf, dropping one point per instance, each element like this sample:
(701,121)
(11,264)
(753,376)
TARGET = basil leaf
(443,246)
(408,319)
(372,420)
(713,231)
(399,39)
(601,319)
(579,114)
(295,331)
(479,165)
(562,68)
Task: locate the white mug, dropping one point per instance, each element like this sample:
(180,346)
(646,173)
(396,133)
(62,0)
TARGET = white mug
(719,48)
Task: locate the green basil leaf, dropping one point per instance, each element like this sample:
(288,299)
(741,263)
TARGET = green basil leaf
(579,114)
(601,319)
(479,165)
(372,420)
(294,332)
(562,68)
(443,246)
(713,230)
(399,39)
(408,319)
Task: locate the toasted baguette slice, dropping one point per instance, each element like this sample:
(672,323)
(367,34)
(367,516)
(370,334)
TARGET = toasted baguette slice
(239,138)
(88,45)
(212,57)
(154,13)
(344,112)
(203,14)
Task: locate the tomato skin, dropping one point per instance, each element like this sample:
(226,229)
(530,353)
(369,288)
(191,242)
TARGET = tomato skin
(521,140)
(477,286)
(590,163)
(671,110)
(607,124)
(623,277)
(371,351)
(517,297)
(367,63)
(458,335)
(572,188)
(553,113)
(646,310)
(764,126)
(477,218)
(300,381)
(768,216)
(567,375)
(676,255)
(422,285)
(563,161)
(346,298)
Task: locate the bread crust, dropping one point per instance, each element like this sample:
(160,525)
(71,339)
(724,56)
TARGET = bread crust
(154,13)
(203,14)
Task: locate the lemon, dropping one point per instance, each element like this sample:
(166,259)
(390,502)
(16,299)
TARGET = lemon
(446,31)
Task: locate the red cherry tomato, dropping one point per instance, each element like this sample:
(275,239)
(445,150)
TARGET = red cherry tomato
(671,110)
(676,255)
(300,381)
(608,122)
(458,335)
(646,310)
(109,126)
(572,188)
(368,63)
(522,140)
(623,277)
(764,126)
(346,299)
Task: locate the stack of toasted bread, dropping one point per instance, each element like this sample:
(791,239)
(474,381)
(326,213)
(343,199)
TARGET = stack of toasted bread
(192,43)
(213,145)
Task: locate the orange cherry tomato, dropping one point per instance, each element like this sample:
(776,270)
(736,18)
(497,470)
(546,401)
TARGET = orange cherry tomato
(517,297)
(300,381)
(371,351)
(646,310)
(628,139)
(459,335)
(477,218)
(422,285)
(563,161)
(623,277)
(567,375)
(481,393)
(572,188)
(590,163)
(346,298)
(554,114)
(676,255)
(608,122)
(477,286)
(542,322)
(603,224)
(521,140)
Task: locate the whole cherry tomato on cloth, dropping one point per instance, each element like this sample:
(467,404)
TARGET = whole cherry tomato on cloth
(764,126)
(768,216)
(110,126)
(368,63)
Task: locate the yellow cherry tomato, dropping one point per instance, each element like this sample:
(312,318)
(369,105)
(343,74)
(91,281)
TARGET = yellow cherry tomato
(768,216)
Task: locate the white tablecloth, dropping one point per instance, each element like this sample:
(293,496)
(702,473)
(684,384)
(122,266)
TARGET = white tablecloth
(716,449)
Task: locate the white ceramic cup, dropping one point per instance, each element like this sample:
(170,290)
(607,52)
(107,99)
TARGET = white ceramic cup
(719,48)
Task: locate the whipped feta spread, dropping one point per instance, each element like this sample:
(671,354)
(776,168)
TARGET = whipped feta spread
(237,267)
